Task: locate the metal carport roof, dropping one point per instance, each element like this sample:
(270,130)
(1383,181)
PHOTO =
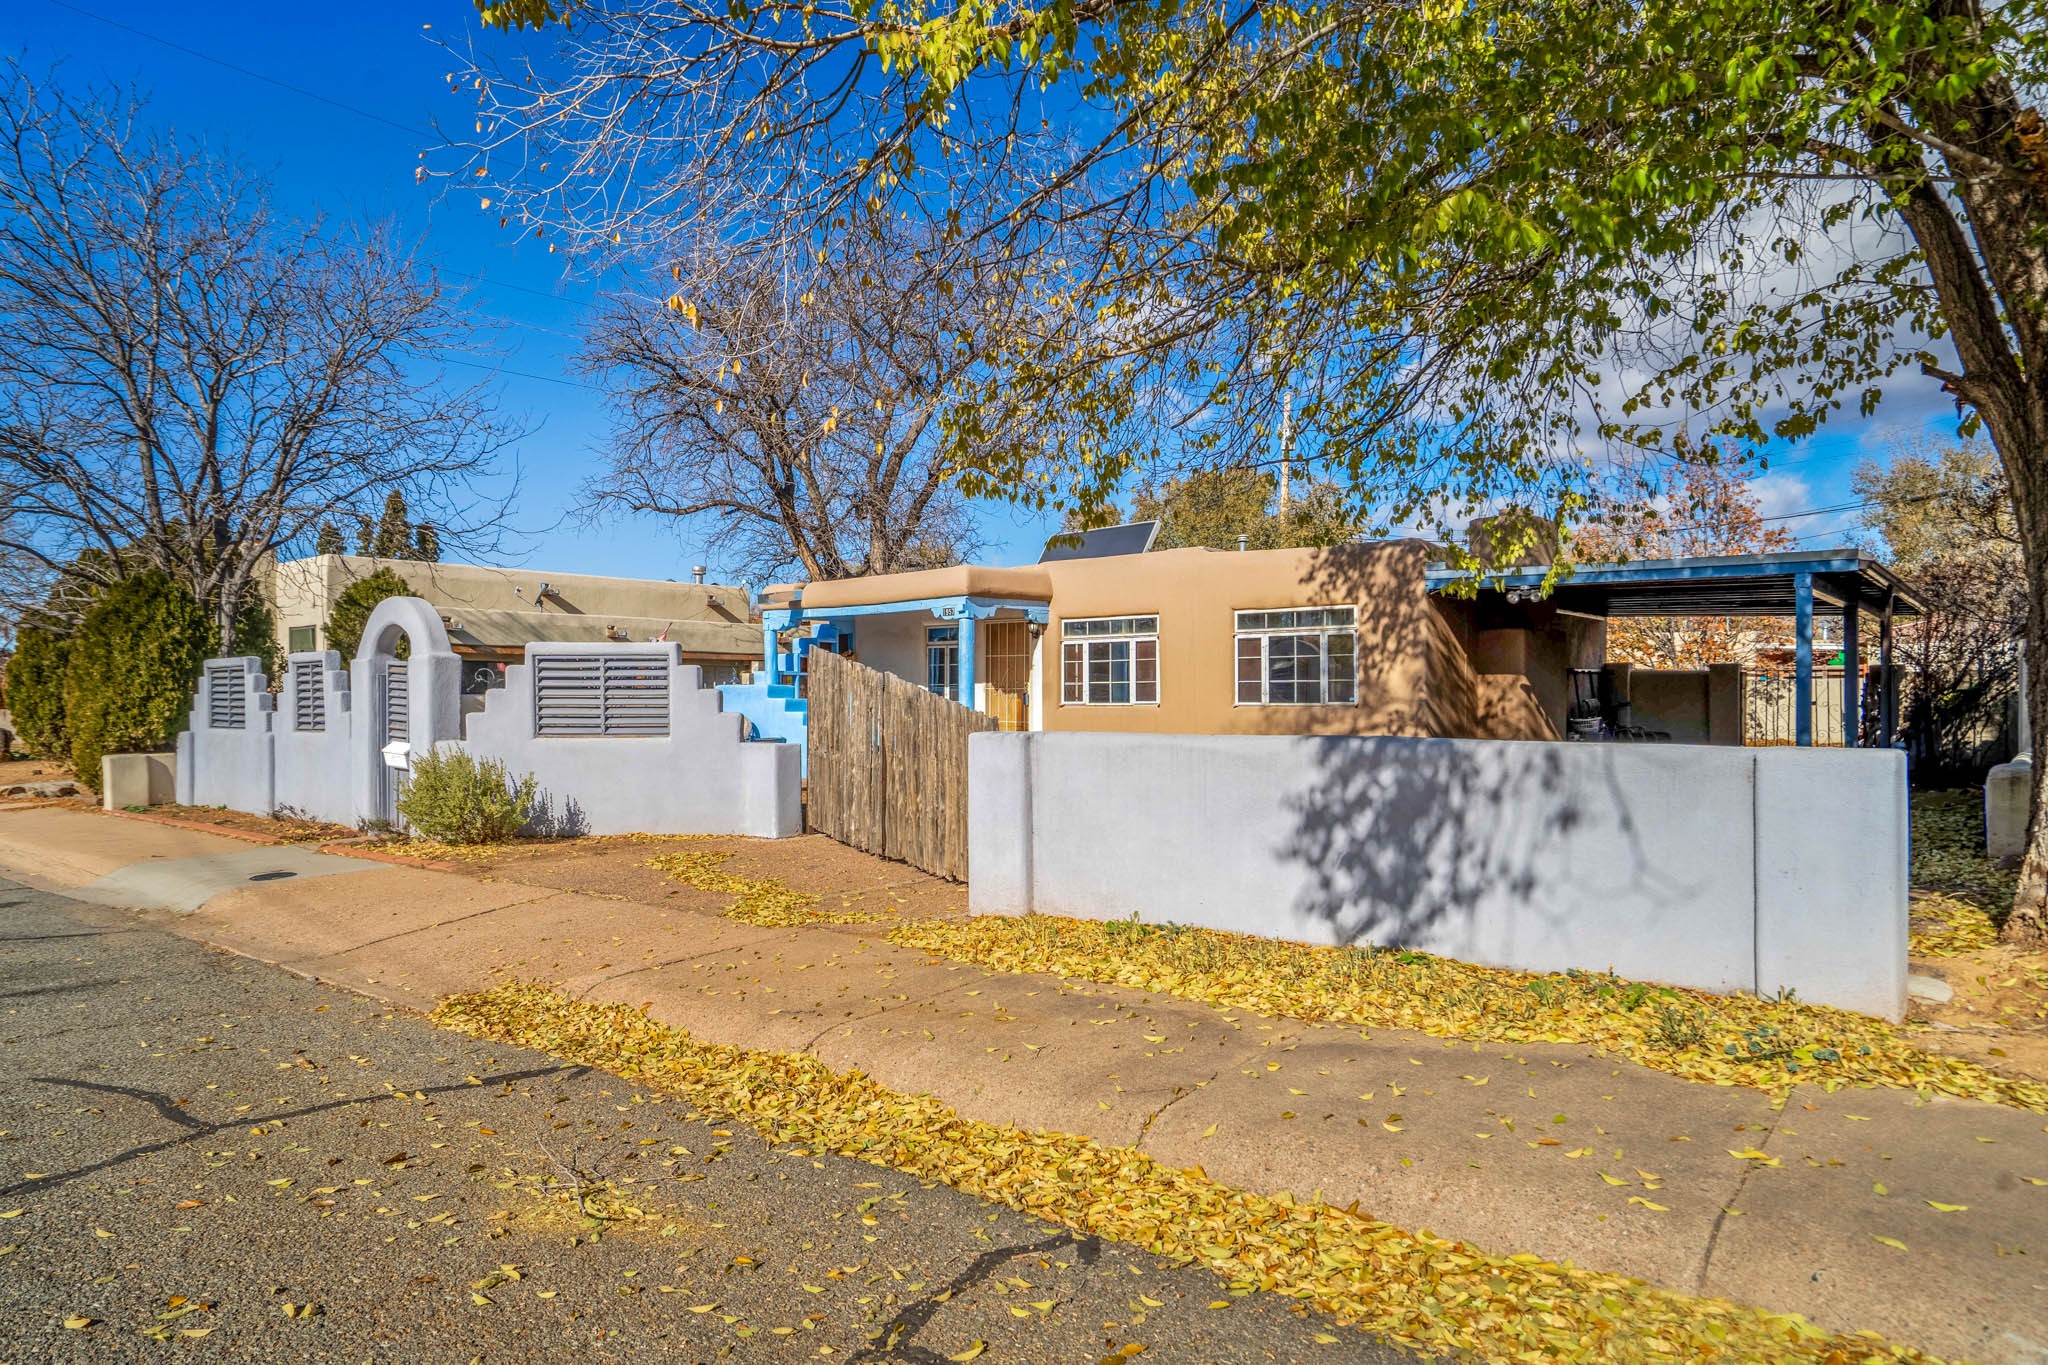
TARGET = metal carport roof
(1707,585)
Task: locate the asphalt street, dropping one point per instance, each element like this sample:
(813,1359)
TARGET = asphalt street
(203,1157)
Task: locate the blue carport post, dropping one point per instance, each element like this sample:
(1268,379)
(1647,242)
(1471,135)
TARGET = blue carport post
(1802,660)
(1852,674)
(967,624)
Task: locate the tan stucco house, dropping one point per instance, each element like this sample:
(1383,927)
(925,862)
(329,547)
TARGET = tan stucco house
(1346,640)
(492,614)
(1368,638)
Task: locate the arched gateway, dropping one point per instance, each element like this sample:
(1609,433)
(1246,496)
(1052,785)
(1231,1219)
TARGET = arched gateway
(407,706)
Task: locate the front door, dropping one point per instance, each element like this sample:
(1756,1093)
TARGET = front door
(1005,648)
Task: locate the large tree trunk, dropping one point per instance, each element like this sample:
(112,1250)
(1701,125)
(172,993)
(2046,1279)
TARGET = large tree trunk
(2027,927)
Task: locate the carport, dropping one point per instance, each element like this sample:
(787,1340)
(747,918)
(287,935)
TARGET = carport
(1801,584)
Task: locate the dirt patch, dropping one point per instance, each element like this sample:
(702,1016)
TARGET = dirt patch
(843,878)
(1999,1015)
(35,779)
(615,866)
(287,829)
(32,770)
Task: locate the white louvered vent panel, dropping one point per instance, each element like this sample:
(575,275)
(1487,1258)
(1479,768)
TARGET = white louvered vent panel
(227,698)
(309,695)
(397,704)
(600,694)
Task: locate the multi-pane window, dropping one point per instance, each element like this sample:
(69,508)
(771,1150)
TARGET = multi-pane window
(1303,656)
(1110,661)
(942,661)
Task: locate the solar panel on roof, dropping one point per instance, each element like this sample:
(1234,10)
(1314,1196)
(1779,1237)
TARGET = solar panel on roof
(1132,538)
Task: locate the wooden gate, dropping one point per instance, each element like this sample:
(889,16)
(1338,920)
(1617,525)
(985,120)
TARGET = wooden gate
(888,765)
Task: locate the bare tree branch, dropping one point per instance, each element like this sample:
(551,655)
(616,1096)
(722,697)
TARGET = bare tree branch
(191,384)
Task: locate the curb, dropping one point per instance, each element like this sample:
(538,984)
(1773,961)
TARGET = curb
(247,836)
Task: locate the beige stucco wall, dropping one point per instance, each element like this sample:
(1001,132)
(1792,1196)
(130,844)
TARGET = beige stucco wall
(506,609)
(1415,676)
(1531,649)
(1196,593)
(1031,582)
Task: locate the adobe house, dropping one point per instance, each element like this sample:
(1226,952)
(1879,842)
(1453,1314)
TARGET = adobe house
(491,614)
(1367,638)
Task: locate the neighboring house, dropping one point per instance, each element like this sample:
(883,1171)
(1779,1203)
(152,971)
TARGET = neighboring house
(1367,638)
(492,614)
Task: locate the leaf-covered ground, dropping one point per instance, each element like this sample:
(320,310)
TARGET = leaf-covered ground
(1720,1039)
(1412,1288)
(1948,858)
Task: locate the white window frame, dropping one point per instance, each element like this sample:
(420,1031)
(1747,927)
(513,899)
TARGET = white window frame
(1087,633)
(938,644)
(1267,624)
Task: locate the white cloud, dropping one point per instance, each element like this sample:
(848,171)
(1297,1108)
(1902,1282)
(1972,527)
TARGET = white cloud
(1779,494)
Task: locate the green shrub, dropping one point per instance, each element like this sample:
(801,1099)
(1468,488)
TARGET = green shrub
(458,799)
(255,633)
(35,691)
(133,664)
(352,608)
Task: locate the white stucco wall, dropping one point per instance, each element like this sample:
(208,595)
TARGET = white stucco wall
(1722,869)
(313,765)
(700,778)
(229,767)
(894,644)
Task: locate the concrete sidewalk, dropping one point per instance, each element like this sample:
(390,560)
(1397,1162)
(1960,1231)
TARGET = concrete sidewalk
(1558,1151)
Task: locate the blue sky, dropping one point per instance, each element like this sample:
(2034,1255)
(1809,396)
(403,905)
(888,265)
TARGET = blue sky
(378,59)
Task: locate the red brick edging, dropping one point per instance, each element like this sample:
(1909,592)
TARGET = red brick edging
(342,848)
(247,836)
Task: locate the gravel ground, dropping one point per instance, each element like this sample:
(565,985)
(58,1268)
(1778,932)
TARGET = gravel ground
(202,1157)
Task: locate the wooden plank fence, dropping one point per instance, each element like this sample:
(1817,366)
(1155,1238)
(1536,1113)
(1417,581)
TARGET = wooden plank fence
(888,765)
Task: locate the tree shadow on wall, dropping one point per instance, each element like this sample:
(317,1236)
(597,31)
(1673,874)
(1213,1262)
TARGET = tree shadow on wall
(1409,842)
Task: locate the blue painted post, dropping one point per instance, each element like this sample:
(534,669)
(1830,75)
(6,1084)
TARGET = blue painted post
(1802,660)
(1852,676)
(967,625)
(1887,691)
(768,633)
